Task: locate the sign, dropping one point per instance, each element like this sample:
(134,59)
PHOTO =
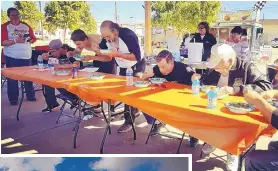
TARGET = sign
(237,16)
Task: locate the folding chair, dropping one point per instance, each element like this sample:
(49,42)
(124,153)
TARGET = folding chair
(165,135)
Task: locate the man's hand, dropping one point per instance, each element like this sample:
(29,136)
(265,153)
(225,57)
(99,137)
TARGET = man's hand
(87,58)
(195,76)
(268,95)
(227,89)
(71,54)
(45,56)
(276,77)
(148,74)
(77,64)
(253,98)
(95,48)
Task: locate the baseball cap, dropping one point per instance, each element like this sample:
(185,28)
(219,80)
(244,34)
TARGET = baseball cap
(219,52)
(55,44)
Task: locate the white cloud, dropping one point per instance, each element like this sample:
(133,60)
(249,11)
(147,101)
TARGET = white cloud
(27,164)
(126,164)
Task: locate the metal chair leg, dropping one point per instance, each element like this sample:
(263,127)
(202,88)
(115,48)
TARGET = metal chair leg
(21,101)
(178,152)
(62,109)
(201,155)
(132,123)
(150,132)
(105,118)
(3,82)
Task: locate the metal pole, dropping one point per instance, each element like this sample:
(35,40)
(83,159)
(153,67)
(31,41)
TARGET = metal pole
(148,29)
(41,24)
(116,15)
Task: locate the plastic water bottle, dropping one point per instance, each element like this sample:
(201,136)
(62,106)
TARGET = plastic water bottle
(212,98)
(40,63)
(129,76)
(51,66)
(74,71)
(196,87)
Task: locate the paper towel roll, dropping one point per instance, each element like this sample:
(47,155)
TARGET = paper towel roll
(195,53)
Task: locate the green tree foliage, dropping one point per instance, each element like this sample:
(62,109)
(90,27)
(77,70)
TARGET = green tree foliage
(184,15)
(4,17)
(29,12)
(68,14)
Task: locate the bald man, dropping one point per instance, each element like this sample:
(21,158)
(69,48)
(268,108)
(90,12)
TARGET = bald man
(125,49)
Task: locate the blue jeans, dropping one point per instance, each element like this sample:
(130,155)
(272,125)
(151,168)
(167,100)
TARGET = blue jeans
(264,160)
(51,99)
(12,85)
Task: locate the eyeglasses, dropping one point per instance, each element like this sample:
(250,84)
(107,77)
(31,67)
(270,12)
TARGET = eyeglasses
(15,15)
(200,28)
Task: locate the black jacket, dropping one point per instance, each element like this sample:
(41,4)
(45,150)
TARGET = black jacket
(242,74)
(208,41)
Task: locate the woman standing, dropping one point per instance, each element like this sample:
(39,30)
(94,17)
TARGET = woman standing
(16,37)
(206,38)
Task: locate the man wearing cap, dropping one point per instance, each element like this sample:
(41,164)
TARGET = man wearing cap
(232,75)
(58,51)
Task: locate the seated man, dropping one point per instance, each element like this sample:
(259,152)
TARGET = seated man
(58,51)
(263,159)
(172,71)
(232,74)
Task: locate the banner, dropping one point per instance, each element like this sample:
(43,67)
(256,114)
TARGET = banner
(239,16)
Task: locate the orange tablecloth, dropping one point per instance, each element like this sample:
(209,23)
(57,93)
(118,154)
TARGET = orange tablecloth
(173,105)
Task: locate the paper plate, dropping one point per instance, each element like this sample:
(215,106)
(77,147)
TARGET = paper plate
(240,108)
(62,73)
(157,80)
(141,84)
(96,76)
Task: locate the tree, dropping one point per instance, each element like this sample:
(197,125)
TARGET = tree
(90,26)
(29,12)
(184,15)
(68,14)
(4,17)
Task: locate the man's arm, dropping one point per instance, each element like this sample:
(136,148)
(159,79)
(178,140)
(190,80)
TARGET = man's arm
(269,112)
(4,37)
(97,58)
(257,80)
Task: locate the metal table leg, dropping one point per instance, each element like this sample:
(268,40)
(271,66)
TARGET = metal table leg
(178,152)
(21,100)
(107,127)
(77,123)
(132,123)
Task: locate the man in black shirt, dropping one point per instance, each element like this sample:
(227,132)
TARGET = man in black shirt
(267,159)
(59,51)
(170,70)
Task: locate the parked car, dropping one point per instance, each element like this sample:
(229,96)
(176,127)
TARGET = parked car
(274,42)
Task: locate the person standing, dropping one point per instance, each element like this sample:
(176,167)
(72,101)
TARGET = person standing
(125,49)
(16,37)
(207,39)
(239,44)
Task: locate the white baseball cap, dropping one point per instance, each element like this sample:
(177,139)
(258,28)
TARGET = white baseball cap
(219,52)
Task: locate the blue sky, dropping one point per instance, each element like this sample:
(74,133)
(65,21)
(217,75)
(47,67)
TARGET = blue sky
(95,164)
(129,11)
